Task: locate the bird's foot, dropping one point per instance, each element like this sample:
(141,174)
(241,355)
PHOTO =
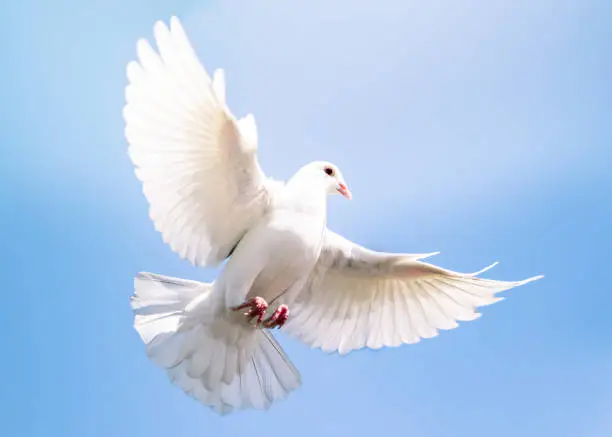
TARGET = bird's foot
(278,319)
(258,307)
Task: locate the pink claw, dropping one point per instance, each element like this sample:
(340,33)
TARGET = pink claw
(278,319)
(258,308)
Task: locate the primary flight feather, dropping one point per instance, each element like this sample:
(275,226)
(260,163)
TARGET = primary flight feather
(211,201)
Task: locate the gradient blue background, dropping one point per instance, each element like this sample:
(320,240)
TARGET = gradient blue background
(478,128)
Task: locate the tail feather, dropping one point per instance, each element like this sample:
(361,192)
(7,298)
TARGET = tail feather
(224,365)
(158,303)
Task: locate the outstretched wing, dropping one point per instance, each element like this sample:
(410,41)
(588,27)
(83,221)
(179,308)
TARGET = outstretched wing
(197,163)
(358,298)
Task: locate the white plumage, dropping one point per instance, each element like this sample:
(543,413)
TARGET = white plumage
(211,201)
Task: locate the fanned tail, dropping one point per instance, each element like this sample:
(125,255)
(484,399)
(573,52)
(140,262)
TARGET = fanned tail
(224,365)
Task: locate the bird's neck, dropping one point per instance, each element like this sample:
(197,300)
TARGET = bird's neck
(307,196)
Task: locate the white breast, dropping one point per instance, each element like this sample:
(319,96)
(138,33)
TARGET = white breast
(291,243)
(279,252)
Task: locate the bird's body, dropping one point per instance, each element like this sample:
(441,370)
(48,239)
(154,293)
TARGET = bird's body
(211,201)
(286,227)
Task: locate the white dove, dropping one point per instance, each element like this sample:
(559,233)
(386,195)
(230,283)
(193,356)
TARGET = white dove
(211,201)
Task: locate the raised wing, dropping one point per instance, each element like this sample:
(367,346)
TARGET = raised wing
(358,298)
(197,163)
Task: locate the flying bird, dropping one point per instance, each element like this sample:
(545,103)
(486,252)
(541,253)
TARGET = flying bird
(213,204)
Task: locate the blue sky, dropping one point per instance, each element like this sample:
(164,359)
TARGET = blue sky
(478,128)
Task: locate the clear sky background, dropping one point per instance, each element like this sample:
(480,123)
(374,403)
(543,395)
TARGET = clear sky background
(479,128)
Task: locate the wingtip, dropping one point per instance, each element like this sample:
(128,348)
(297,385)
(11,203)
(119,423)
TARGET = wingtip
(160,26)
(218,83)
(132,71)
(427,255)
(220,73)
(175,22)
(532,279)
(481,271)
(141,42)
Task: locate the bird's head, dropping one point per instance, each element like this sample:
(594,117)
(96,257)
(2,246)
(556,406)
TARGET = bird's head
(327,174)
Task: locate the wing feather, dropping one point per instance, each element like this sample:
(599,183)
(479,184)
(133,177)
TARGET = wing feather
(358,298)
(197,163)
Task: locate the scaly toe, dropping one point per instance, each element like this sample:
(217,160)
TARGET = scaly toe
(258,307)
(278,319)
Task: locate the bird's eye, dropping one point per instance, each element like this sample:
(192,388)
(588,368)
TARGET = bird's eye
(329,171)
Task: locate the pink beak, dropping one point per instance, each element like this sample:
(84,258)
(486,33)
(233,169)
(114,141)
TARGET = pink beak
(343,189)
